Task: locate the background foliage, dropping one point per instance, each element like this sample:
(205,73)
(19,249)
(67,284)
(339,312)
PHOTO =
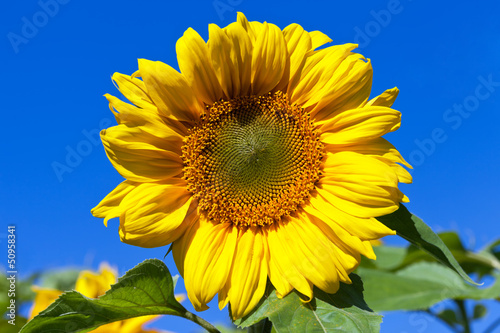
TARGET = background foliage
(416,278)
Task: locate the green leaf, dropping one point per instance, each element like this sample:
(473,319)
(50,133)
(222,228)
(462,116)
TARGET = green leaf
(392,258)
(493,247)
(479,311)
(344,311)
(226,329)
(421,235)
(481,263)
(347,295)
(389,257)
(418,287)
(492,253)
(263,326)
(448,316)
(146,289)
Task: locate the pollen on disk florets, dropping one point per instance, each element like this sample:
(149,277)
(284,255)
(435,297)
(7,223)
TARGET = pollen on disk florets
(252,160)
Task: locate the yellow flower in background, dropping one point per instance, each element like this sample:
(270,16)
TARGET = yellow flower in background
(376,242)
(93,285)
(262,158)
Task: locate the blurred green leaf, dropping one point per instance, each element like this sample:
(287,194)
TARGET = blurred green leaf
(389,257)
(228,329)
(23,294)
(479,311)
(493,247)
(146,289)
(479,263)
(5,327)
(418,287)
(63,279)
(23,290)
(492,253)
(419,234)
(448,316)
(345,311)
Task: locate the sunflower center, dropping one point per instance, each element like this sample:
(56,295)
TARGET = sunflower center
(252,160)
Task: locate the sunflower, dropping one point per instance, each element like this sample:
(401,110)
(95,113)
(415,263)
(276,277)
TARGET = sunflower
(92,285)
(262,158)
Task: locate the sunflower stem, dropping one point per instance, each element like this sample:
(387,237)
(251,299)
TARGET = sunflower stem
(200,321)
(465,317)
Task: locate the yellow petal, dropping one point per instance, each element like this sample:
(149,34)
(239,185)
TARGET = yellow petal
(133,116)
(360,185)
(155,214)
(93,285)
(382,150)
(359,125)
(268,59)
(135,325)
(319,39)
(283,260)
(386,98)
(345,242)
(226,70)
(252,28)
(148,118)
(280,283)
(241,56)
(208,261)
(181,246)
(345,256)
(348,88)
(108,273)
(379,148)
(338,220)
(223,297)
(170,91)
(195,65)
(109,328)
(249,273)
(108,208)
(312,254)
(319,69)
(403,175)
(257,28)
(298,43)
(142,157)
(133,89)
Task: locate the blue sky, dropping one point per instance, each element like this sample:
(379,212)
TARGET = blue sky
(58,60)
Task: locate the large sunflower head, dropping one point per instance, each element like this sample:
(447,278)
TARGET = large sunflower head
(262,158)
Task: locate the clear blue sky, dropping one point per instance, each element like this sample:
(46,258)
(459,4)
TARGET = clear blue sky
(57,63)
